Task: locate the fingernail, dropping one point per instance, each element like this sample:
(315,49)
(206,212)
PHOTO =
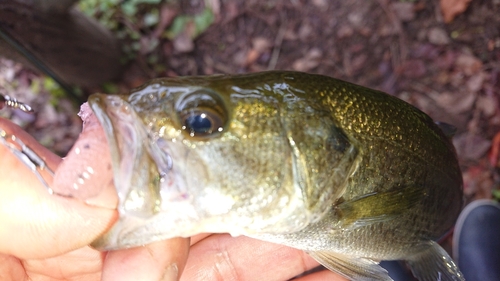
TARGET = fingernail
(171,273)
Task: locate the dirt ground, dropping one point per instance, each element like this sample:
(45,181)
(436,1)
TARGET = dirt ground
(447,66)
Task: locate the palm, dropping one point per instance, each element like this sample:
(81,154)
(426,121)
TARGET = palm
(82,265)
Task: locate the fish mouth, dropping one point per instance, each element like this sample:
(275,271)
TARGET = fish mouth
(139,166)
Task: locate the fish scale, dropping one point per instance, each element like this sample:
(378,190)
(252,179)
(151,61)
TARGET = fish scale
(349,174)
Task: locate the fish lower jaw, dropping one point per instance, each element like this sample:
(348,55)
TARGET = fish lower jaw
(184,219)
(271,220)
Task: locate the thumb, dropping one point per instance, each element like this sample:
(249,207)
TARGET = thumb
(35,224)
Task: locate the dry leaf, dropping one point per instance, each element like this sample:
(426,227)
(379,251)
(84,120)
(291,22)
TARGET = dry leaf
(413,68)
(475,82)
(404,10)
(456,103)
(322,4)
(468,64)
(305,31)
(214,5)
(471,147)
(259,46)
(438,36)
(452,8)
(487,105)
(309,61)
(344,31)
(183,43)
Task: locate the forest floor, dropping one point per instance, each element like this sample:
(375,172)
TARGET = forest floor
(440,58)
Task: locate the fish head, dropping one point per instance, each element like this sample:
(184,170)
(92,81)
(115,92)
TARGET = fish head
(192,156)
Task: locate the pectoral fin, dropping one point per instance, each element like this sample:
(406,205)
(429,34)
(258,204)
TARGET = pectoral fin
(378,207)
(351,268)
(434,263)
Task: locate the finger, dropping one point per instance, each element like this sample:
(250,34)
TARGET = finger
(11,268)
(10,128)
(163,260)
(222,257)
(34,223)
(199,237)
(84,264)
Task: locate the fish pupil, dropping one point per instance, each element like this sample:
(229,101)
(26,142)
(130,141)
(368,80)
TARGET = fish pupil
(199,123)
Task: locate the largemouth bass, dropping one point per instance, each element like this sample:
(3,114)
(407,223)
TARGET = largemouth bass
(349,174)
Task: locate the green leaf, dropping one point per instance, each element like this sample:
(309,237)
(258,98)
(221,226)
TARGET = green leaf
(203,21)
(177,26)
(496,194)
(129,8)
(151,18)
(110,88)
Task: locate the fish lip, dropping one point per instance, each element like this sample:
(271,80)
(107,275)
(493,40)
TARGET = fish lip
(107,111)
(133,166)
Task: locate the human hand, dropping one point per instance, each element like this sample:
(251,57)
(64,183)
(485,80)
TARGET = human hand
(45,237)
(222,257)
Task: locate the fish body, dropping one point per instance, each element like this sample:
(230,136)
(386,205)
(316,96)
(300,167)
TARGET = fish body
(349,174)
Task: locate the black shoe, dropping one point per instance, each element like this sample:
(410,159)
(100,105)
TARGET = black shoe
(476,242)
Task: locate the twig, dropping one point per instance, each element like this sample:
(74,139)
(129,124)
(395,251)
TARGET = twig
(277,44)
(403,52)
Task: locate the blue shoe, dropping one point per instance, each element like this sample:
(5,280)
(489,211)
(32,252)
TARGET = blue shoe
(476,242)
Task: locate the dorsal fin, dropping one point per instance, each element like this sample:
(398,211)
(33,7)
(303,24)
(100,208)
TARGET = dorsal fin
(448,130)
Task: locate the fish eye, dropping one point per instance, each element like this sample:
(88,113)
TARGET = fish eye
(201,113)
(202,122)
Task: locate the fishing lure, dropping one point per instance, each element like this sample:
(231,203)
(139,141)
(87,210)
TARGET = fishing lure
(27,156)
(23,152)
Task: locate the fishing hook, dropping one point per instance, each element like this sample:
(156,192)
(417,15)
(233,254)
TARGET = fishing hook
(7,101)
